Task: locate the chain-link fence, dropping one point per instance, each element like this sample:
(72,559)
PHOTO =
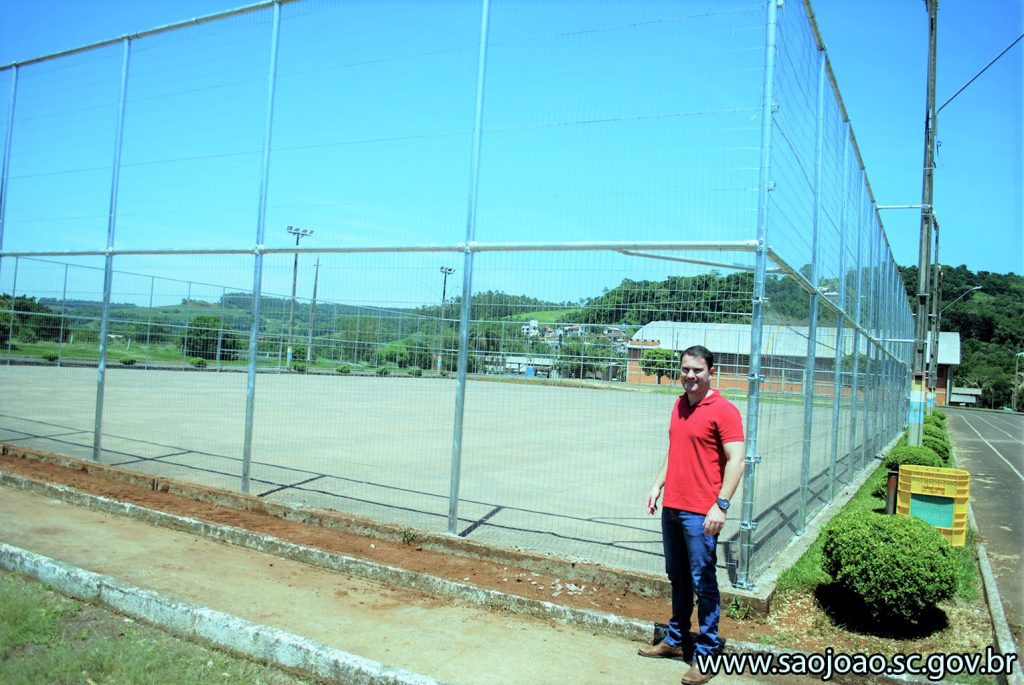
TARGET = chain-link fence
(478,235)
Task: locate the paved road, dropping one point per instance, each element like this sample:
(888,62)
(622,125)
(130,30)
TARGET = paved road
(990,446)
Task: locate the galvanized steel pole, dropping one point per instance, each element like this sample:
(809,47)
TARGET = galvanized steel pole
(108,270)
(467,273)
(837,366)
(257,274)
(811,362)
(754,377)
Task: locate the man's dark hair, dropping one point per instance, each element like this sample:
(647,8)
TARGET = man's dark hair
(701,352)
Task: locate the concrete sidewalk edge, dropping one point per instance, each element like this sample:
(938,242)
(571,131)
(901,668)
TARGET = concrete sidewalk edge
(262,643)
(602,622)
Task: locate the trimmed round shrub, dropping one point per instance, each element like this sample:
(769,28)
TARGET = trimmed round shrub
(933,420)
(383,371)
(916,456)
(937,432)
(899,566)
(199,363)
(128,361)
(343,369)
(415,371)
(940,447)
(299,367)
(50,357)
(939,415)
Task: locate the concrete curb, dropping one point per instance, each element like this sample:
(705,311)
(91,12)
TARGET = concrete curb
(600,622)
(259,642)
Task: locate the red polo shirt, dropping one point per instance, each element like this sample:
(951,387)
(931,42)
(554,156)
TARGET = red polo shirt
(696,453)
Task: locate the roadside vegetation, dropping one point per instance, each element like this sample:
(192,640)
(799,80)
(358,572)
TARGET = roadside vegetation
(877,583)
(46,637)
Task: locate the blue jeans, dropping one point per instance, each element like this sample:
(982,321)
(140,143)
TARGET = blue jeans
(690,560)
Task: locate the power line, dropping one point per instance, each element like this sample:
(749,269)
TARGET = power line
(980,72)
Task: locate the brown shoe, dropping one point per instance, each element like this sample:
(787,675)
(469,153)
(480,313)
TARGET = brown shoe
(663,650)
(695,676)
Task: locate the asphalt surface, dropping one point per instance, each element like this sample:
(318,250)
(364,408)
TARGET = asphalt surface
(990,446)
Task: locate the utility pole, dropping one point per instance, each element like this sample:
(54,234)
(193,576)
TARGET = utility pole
(919,389)
(936,312)
(446,271)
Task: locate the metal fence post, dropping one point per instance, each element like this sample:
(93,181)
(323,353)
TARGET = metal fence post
(858,307)
(257,272)
(810,365)
(837,367)
(747,523)
(63,316)
(467,274)
(5,167)
(10,312)
(108,270)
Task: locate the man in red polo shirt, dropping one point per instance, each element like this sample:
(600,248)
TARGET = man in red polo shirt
(703,468)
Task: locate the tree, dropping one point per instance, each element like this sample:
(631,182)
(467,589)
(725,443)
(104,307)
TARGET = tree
(576,361)
(660,362)
(31,320)
(394,353)
(204,336)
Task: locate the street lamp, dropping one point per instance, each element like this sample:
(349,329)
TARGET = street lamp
(299,234)
(446,271)
(962,295)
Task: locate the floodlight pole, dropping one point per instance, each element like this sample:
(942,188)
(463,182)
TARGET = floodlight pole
(299,234)
(446,271)
(312,313)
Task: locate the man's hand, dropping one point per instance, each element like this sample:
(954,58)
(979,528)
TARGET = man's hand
(714,521)
(652,499)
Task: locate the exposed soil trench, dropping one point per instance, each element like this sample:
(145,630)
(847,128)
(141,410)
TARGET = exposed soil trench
(559,581)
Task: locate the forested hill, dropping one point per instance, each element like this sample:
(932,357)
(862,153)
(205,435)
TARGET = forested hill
(991,326)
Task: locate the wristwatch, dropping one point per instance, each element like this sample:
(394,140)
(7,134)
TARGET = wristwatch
(723,504)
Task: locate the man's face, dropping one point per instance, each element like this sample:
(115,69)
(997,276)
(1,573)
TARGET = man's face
(695,374)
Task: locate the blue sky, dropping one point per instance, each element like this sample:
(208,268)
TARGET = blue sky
(877,50)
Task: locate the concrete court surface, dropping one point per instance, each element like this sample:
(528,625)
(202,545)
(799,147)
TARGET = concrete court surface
(553,469)
(421,634)
(990,446)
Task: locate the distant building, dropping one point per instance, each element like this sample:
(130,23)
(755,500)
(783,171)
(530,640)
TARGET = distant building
(784,354)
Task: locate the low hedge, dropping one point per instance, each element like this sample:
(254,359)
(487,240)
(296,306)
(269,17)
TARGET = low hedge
(899,566)
(940,447)
(907,455)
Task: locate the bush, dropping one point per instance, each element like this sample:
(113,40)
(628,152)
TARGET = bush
(383,371)
(899,566)
(299,367)
(128,361)
(937,432)
(880,488)
(415,371)
(198,363)
(917,456)
(940,447)
(933,420)
(939,415)
(343,369)
(50,357)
